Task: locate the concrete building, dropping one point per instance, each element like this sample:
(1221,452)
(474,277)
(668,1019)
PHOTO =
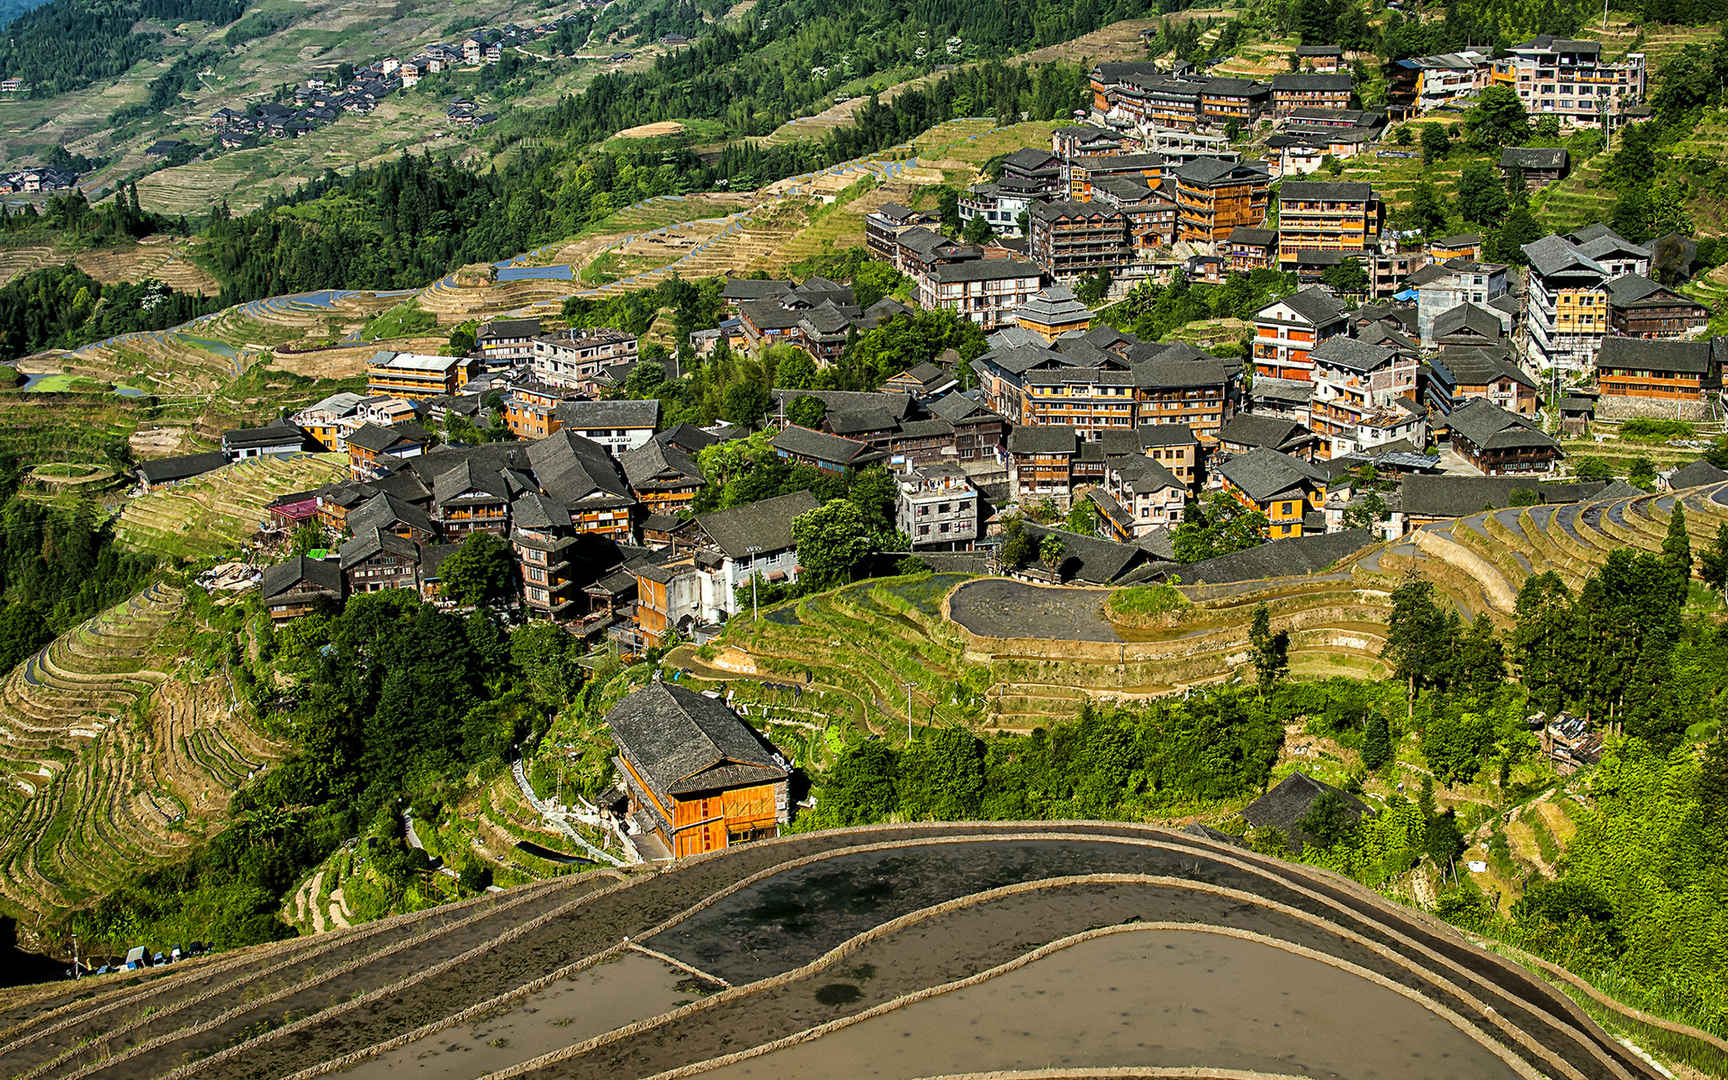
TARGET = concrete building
(938,507)
(1571,80)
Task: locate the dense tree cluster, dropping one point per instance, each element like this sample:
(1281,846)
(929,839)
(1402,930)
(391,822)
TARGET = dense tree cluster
(1121,762)
(62,307)
(58,566)
(66,44)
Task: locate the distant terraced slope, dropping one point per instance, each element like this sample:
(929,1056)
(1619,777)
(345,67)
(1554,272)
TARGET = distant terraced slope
(114,756)
(212,514)
(895,951)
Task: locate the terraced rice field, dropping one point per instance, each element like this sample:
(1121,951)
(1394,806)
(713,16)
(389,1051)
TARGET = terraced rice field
(112,760)
(1001,654)
(215,513)
(896,951)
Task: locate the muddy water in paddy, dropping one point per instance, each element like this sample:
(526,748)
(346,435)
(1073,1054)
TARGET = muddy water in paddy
(604,997)
(1149,998)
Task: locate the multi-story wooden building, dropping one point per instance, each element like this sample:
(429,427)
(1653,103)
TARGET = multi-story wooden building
(1214,197)
(1498,442)
(1139,495)
(1639,307)
(883,226)
(1179,386)
(376,560)
(1070,239)
(1326,216)
(1456,374)
(697,776)
(1658,370)
(1286,330)
(506,341)
(1567,312)
(1151,212)
(664,478)
(469,497)
(1358,388)
(1248,248)
(1311,90)
(1041,464)
(986,291)
(580,474)
(1139,93)
(1084,172)
(1053,312)
(1322,58)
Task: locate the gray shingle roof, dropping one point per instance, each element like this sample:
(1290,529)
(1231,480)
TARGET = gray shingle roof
(1460,496)
(1646,354)
(628,413)
(1264,474)
(1696,474)
(1345,352)
(1299,555)
(766,524)
(1468,319)
(1042,439)
(284,576)
(683,743)
(1464,365)
(1489,427)
(1534,157)
(653,466)
(1316,304)
(1284,807)
(1256,430)
(1324,191)
(166,470)
(820,445)
(370,541)
(577,471)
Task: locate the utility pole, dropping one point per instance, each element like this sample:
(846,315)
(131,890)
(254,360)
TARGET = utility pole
(909,687)
(753,550)
(77,968)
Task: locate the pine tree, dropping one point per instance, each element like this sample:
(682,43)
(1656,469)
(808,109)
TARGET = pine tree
(1377,741)
(1677,550)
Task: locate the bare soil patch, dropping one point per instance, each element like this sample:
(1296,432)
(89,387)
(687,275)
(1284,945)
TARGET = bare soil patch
(655,130)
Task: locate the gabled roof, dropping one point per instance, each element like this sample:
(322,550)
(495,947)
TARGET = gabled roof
(576,471)
(683,743)
(1141,475)
(1468,319)
(371,541)
(1253,237)
(1554,255)
(627,413)
(1090,559)
(1279,558)
(318,573)
(1346,352)
(1284,807)
(766,524)
(532,510)
(1460,496)
(1043,439)
(1469,365)
(652,466)
(1315,304)
(1534,157)
(1646,354)
(1324,190)
(737,289)
(956,407)
(1264,474)
(378,438)
(820,445)
(281,433)
(168,469)
(384,511)
(1696,474)
(465,478)
(1489,427)
(1312,80)
(1256,430)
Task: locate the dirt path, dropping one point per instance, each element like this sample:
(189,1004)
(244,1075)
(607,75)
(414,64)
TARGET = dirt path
(339,913)
(312,888)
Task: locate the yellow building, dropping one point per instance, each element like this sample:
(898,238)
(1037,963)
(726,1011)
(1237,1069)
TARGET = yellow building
(1282,487)
(414,375)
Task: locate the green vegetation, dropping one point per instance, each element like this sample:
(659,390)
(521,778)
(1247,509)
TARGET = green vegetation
(58,565)
(1646,430)
(63,307)
(1145,603)
(404,320)
(455,694)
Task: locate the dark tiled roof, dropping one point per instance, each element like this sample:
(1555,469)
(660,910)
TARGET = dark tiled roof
(1316,304)
(1284,807)
(1300,555)
(1303,80)
(1254,429)
(1042,439)
(1460,496)
(284,576)
(628,413)
(168,469)
(1091,560)
(1696,474)
(1324,191)
(1264,474)
(684,743)
(575,470)
(1353,355)
(1490,427)
(280,433)
(1534,157)
(1646,354)
(766,524)
(820,445)
(370,541)
(652,466)
(1468,365)
(384,511)
(1467,318)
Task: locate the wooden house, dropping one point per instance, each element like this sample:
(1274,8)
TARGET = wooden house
(697,777)
(301,586)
